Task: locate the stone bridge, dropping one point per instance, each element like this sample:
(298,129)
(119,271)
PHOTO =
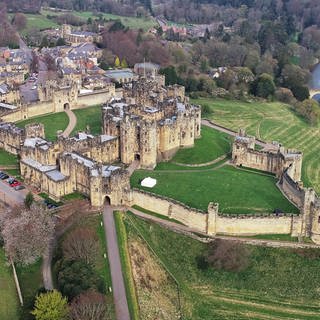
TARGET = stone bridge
(315,94)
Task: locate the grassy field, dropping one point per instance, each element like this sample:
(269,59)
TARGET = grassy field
(126,266)
(277,284)
(52,123)
(154,288)
(7,159)
(30,278)
(91,117)
(270,122)
(210,146)
(39,22)
(9,305)
(130,22)
(236,191)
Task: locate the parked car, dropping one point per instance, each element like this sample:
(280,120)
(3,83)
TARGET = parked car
(19,187)
(10,180)
(15,184)
(4,176)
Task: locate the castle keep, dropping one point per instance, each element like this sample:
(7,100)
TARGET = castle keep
(151,122)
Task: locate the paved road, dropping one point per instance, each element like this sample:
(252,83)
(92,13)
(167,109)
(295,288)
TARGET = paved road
(213,125)
(119,292)
(10,196)
(72,123)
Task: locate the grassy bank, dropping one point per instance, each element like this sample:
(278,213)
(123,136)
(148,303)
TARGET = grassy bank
(277,284)
(7,159)
(210,146)
(9,305)
(272,122)
(126,266)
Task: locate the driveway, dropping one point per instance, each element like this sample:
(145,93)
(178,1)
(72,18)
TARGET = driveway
(119,292)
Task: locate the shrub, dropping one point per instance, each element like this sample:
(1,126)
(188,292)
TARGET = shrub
(284,95)
(228,255)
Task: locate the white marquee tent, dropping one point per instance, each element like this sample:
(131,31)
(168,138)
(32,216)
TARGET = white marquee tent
(148,182)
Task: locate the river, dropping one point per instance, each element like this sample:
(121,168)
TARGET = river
(315,82)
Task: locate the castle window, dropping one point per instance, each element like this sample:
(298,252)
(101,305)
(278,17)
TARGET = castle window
(318,219)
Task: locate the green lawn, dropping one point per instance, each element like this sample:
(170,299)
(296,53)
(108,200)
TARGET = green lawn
(30,278)
(91,117)
(126,266)
(7,159)
(272,121)
(9,304)
(277,284)
(52,123)
(210,146)
(130,22)
(236,191)
(38,22)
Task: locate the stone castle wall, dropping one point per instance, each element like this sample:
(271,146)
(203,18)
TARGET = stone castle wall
(212,222)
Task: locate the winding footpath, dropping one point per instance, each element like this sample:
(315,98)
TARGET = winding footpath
(119,292)
(216,126)
(72,123)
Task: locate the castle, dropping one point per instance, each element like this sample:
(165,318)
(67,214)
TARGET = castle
(143,124)
(148,124)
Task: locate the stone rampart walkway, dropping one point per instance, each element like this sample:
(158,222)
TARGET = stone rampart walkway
(72,123)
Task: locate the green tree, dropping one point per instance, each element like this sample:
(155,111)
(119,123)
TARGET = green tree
(301,93)
(76,276)
(310,110)
(124,63)
(44,42)
(117,62)
(28,200)
(204,65)
(60,42)
(170,74)
(50,306)
(264,86)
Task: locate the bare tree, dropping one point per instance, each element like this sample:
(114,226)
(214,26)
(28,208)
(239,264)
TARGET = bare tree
(81,243)
(228,255)
(90,305)
(34,66)
(20,21)
(26,233)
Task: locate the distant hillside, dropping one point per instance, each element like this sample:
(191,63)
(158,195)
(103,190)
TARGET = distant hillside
(27,6)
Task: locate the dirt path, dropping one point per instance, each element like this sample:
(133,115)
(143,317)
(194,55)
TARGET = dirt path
(213,125)
(194,232)
(72,123)
(119,292)
(202,164)
(8,167)
(46,265)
